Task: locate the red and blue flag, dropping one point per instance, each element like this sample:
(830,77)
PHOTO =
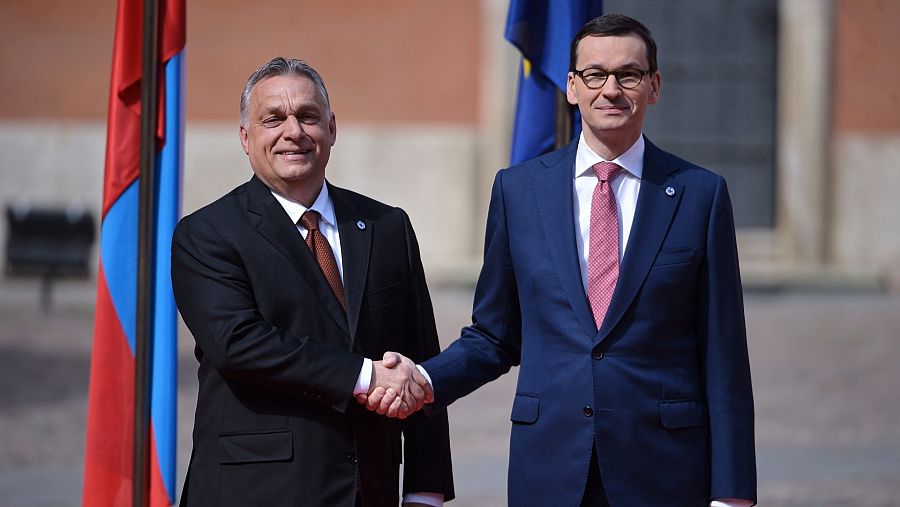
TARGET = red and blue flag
(109,451)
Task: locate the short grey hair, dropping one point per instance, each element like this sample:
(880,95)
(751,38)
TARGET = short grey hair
(280,66)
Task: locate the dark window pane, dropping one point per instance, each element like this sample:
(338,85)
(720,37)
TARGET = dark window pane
(717,104)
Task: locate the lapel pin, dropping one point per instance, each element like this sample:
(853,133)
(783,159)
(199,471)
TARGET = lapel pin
(361,225)
(670,191)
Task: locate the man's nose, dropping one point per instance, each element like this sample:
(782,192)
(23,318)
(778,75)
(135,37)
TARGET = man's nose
(611,88)
(293,129)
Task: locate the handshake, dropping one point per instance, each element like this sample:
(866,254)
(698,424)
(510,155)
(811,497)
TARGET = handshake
(398,388)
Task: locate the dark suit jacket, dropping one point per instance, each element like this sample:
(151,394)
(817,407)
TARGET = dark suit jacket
(276,423)
(662,389)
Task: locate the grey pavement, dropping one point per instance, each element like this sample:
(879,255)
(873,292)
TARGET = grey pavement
(826,372)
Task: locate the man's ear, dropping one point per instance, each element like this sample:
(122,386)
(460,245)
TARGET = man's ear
(244,142)
(332,126)
(570,90)
(655,84)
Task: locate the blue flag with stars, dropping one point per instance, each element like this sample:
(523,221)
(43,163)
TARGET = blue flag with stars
(542,31)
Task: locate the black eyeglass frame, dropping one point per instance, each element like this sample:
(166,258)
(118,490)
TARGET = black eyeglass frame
(580,73)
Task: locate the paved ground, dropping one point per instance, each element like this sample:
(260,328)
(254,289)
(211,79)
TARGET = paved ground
(826,377)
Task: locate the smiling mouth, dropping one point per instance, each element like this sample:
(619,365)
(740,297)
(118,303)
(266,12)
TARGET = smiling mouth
(296,153)
(612,110)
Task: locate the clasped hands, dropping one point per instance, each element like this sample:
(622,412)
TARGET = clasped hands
(398,388)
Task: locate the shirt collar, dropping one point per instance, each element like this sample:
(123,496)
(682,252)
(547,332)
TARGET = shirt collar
(323,205)
(632,160)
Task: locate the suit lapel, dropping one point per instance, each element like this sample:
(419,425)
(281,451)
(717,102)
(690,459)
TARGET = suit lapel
(554,198)
(652,218)
(276,227)
(356,243)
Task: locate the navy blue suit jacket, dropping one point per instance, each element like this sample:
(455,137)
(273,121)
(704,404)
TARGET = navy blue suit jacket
(662,389)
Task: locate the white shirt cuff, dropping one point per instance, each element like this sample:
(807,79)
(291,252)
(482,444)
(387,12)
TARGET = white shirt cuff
(365,378)
(425,374)
(730,502)
(433,499)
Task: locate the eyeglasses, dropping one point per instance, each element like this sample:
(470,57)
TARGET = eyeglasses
(596,78)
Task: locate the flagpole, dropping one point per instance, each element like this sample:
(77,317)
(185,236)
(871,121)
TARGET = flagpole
(146,228)
(563,120)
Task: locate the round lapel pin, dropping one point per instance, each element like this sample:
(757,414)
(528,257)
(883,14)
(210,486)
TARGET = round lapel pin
(670,191)
(361,225)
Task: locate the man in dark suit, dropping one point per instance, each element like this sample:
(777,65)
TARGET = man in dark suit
(288,285)
(611,276)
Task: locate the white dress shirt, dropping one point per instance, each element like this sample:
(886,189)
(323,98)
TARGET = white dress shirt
(328,228)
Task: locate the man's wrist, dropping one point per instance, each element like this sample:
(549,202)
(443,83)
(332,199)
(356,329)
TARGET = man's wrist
(425,374)
(730,502)
(433,499)
(364,381)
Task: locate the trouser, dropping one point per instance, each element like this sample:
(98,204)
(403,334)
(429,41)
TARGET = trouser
(594,495)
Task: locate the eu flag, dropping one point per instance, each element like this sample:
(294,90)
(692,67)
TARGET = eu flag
(542,30)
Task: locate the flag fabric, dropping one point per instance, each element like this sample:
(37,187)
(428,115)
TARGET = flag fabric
(109,450)
(542,31)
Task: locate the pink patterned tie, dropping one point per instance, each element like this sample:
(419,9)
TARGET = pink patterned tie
(603,250)
(321,250)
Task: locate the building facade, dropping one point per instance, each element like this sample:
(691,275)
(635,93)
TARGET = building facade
(794,101)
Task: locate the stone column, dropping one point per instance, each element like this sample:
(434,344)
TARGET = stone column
(804,105)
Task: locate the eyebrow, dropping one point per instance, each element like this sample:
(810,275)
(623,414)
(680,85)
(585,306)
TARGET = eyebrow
(629,65)
(271,109)
(279,107)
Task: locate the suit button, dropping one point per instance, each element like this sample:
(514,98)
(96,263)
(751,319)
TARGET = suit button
(587,411)
(351,457)
(598,354)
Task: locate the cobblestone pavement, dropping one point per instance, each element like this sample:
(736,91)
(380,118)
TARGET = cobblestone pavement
(826,371)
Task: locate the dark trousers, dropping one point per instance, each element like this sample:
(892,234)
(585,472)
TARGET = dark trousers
(594,495)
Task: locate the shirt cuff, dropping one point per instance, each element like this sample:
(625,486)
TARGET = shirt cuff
(365,378)
(730,502)
(425,374)
(433,499)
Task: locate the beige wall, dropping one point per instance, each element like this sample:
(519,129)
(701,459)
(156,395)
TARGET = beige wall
(383,60)
(866,67)
(423,94)
(838,140)
(866,138)
(55,58)
(409,83)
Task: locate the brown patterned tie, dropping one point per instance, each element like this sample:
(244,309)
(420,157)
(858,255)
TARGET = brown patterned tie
(321,250)
(603,252)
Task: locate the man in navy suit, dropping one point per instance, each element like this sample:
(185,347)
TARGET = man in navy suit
(643,399)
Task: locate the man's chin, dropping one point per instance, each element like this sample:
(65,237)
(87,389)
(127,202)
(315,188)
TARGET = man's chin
(299,174)
(611,122)
(294,171)
(608,129)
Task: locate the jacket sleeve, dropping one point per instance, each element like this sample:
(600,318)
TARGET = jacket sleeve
(725,359)
(426,440)
(491,345)
(217,301)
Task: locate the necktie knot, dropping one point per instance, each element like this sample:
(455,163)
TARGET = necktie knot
(605,171)
(310,220)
